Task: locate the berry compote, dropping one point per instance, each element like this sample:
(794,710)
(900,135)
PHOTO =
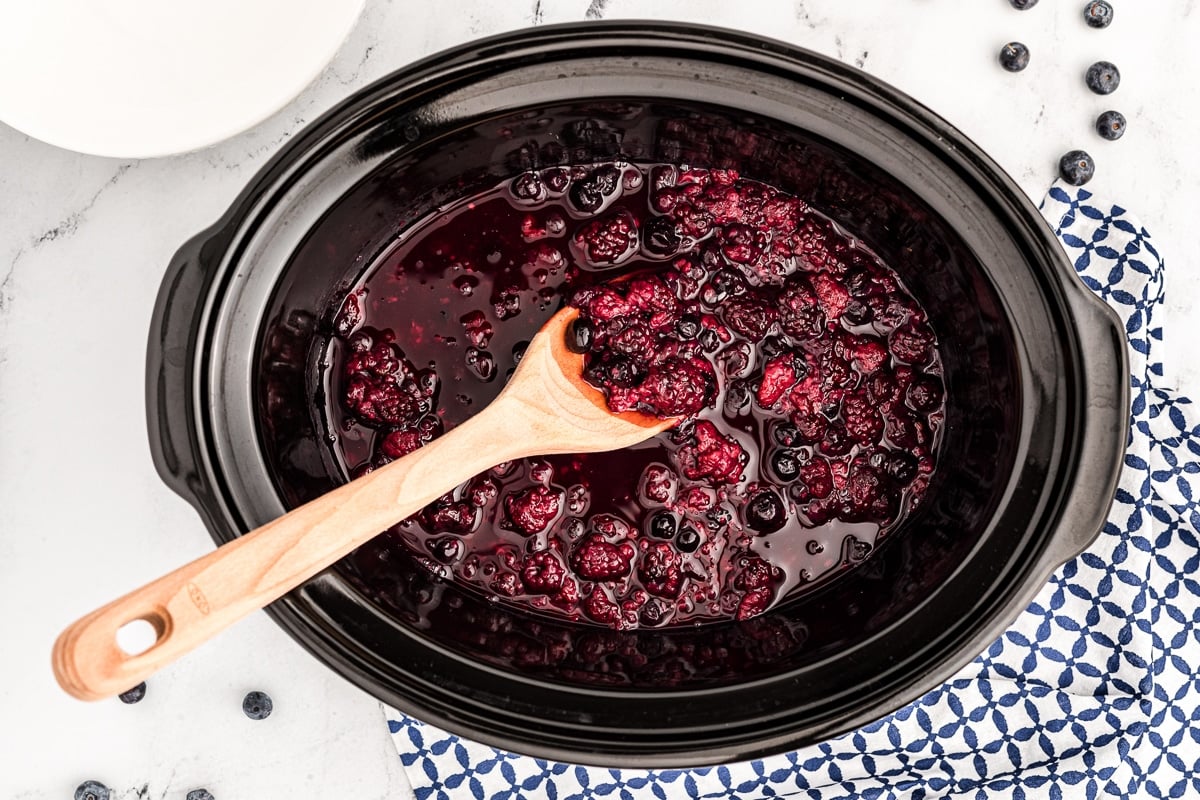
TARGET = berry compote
(807,377)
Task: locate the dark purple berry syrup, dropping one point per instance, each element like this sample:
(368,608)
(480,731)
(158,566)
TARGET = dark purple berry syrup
(810,375)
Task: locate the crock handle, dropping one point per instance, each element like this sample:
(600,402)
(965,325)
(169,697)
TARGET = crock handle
(1102,429)
(170,364)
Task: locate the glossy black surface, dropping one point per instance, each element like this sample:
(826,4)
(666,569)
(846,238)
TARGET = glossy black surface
(1034,365)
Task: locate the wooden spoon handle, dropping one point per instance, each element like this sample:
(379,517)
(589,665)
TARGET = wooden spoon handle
(197,601)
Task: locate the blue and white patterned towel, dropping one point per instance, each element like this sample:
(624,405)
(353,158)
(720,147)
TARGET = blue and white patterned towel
(1093,692)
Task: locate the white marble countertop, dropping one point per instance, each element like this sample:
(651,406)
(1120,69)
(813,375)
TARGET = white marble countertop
(84,241)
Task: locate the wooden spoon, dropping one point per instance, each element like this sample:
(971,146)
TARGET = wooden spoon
(545,408)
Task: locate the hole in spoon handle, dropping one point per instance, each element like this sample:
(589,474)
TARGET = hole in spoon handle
(110,650)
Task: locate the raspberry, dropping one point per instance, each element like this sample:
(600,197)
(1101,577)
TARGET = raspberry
(713,456)
(692,221)
(658,484)
(506,585)
(697,499)
(750,316)
(448,516)
(601,303)
(800,314)
(651,294)
(533,509)
(658,570)
(913,342)
(869,354)
(380,388)
(863,421)
(677,388)
(741,244)
(597,606)
(866,490)
(634,340)
(398,444)
(597,560)
(831,294)
(542,573)
(609,239)
(810,428)
(779,374)
(816,478)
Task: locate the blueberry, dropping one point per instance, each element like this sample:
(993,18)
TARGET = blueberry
(613,369)
(257,705)
(901,467)
(718,518)
(709,340)
(199,794)
(857,313)
(688,326)
(785,465)
(1014,56)
(688,539)
(91,790)
(662,525)
(659,236)
(588,194)
(1111,125)
(580,336)
(1076,167)
(133,695)
(1022,5)
(786,434)
(772,346)
(765,512)
(1103,77)
(1098,14)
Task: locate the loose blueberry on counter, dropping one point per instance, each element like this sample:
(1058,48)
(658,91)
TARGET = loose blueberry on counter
(133,695)
(257,705)
(1076,167)
(1111,125)
(1098,14)
(199,794)
(1023,5)
(1103,77)
(91,790)
(1014,56)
